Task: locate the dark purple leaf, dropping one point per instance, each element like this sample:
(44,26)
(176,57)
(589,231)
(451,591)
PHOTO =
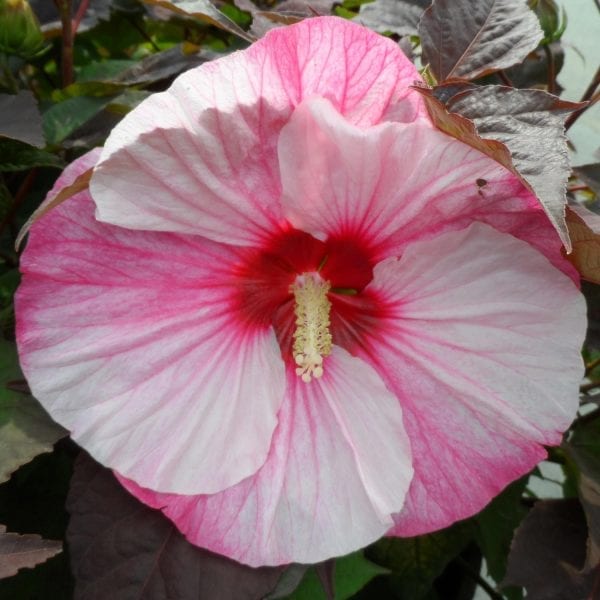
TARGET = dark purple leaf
(20,118)
(202,10)
(533,71)
(165,64)
(305,8)
(284,13)
(465,39)
(591,293)
(21,551)
(521,129)
(548,553)
(589,494)
(396,16)
(96,11)
(121,549)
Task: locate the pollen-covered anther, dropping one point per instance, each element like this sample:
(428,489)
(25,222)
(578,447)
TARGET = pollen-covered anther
(312,338)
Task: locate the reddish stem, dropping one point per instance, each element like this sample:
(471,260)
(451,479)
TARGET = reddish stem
(588,95)
(505,78)
(64,10)
(551,76)
(79,15)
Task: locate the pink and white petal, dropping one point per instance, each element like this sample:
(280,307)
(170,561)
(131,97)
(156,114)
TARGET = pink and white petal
(365,76)
(396,183)
(131,340)
(340,464)
(481,344)
(202,156)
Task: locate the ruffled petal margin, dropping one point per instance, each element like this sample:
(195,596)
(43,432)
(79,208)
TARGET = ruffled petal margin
(396,183)
(481,344)
(131,341)
(202,156)
(339,466)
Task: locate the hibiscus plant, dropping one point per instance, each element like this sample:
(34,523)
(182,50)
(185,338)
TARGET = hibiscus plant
(299,299)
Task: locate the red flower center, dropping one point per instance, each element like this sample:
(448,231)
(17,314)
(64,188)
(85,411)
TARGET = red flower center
(265,276)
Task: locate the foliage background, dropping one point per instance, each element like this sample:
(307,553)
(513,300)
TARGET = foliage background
(69,71)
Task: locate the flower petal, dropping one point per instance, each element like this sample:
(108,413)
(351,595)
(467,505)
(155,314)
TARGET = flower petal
(323,491)
(131,340)
(481,344)
(395,183)
(202,156)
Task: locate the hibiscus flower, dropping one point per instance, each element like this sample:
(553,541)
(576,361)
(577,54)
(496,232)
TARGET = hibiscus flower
(292,314)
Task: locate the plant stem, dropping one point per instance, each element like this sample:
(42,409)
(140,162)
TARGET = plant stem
(551,71)
(505,78)
(588,96)
(83,6)
(64,10)
(589,92)
(595,363)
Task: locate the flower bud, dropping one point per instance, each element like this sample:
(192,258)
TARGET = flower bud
(20,32)
(552,19)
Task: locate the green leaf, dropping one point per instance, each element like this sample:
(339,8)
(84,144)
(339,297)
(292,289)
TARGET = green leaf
(64,118)
(495,528)
(584,447)
(127,101)
(25,428)
(92,89)
(18,156)
(6,201)
(351,574)
(553,20)
(104,70)
(416,562)
(9,280)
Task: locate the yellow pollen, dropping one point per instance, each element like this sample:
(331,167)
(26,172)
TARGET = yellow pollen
(312,338)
